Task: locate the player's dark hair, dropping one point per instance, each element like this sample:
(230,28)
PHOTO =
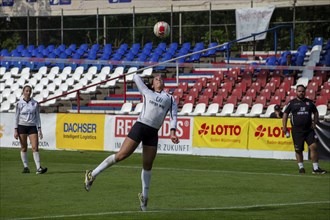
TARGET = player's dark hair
(27,86)
(300,85)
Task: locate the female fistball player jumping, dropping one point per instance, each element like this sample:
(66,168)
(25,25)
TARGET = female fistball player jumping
(157,103)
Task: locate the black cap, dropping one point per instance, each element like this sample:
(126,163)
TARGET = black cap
(277,107)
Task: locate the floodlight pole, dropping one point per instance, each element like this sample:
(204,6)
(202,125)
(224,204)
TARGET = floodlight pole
(62,37)
(210,23)
(28,27)
(133,24)
(97,25)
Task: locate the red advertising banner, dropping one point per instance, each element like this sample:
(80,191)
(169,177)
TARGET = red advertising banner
(123,125)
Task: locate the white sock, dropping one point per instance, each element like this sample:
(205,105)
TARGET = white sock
(109,161)
(300,165)
(145,179)
(315,166)
(24,159)
(36,158)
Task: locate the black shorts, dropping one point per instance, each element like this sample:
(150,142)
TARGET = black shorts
(141,132)
(299,137)
(22,129)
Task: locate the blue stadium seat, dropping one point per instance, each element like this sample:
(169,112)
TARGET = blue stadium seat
(271,61)
(318,41)
(210,52)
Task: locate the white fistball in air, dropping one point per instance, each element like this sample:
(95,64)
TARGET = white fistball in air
(162,29)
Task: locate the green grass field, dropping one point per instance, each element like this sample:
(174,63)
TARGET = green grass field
(182,187)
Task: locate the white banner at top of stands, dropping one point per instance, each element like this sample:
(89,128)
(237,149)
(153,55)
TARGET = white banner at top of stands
(19,8)
(117,128)
(252,20)
(48,125)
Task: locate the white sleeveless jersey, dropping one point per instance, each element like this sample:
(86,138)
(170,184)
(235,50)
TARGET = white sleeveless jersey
(156,105)
(27,113)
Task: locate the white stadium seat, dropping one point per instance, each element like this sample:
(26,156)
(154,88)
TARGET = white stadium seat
(125,109)
(227,109)
(212,110)
(241,110)
(186,109)
(199,109)
(256,110)
(269,111)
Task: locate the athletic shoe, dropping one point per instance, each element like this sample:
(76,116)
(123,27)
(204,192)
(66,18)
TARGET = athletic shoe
(319,171)
(41,170)
(89,179)
(143,202)
(302,170)
(26,170)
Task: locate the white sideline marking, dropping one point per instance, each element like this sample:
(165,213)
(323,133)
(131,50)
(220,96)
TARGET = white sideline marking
(229,171)
(172,210)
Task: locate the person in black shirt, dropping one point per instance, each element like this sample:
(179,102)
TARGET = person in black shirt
(277,112)
(303,126)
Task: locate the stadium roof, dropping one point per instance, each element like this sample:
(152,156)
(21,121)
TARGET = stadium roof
(91,7)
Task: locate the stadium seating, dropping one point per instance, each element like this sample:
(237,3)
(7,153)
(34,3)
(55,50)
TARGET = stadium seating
(269,110)
(227,109)
(256,110)
(241,110)
(212,110)
(199,109)
(187,108)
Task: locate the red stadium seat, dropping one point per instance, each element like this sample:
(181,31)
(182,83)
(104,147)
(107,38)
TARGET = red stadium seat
(219,100)
(261,99)
(177,99)
(321,100)
(213,86)
(289,79)
(288,99)
(310,93)
(262,79)
(233,73)
(189,99)
(247,78)
(326,85)
(209,92)
(281,92)
(322,74)
(271,86)
(183,86)
(256,86)
(285,85)
(318,80)
(291,92)
(223,92)
(265,93)
(275,100)
(276,81)
(203,80)
(228,86)
(178,92)
(193,92)
(252,93)
(198,85)
(217,80)
(325,93)
(313,86)
(232,99)
(241,85)
(238,93)
(248,100)
(204,99)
